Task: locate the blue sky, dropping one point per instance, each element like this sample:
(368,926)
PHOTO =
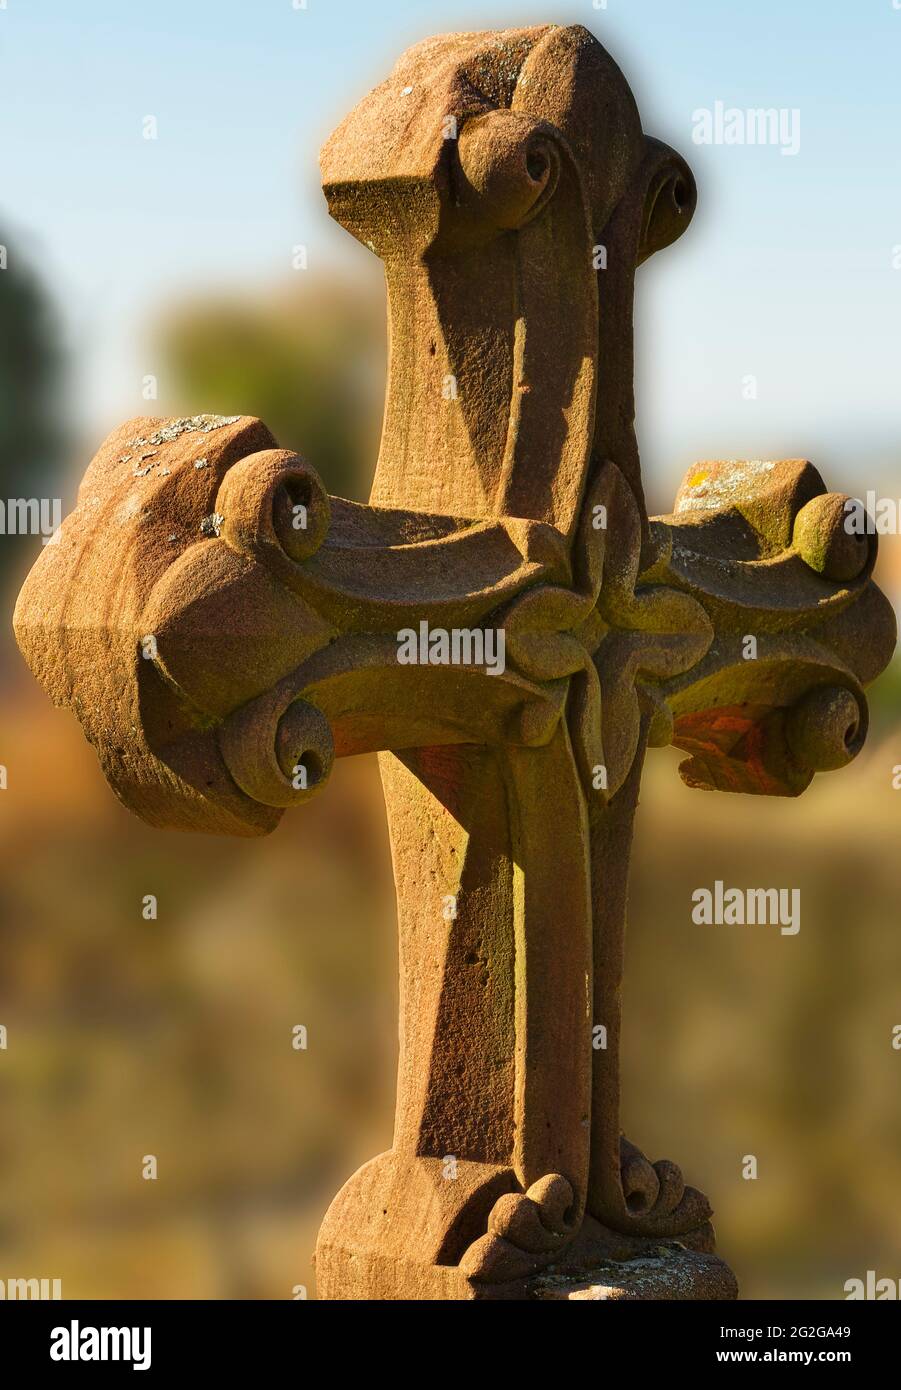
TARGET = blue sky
(786,273)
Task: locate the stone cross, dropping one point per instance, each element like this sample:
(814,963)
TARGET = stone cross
(505,626)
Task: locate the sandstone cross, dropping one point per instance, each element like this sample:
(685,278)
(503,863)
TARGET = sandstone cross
(222,629)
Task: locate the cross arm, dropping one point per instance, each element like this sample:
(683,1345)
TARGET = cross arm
(784,574)
(222,628)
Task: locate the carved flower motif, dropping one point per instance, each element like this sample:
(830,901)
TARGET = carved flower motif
(609,639)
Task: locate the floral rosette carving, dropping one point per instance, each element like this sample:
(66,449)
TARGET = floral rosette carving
(608,640)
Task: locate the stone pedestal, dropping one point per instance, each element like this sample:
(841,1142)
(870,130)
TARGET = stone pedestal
(599,1264)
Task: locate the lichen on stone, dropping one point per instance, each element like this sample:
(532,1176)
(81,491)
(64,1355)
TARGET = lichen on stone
(186,424)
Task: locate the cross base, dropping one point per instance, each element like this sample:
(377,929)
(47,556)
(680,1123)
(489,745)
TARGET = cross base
(649,1272)
(599,1264)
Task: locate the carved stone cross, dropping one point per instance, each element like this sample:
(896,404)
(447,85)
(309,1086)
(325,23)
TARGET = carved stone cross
(502,623)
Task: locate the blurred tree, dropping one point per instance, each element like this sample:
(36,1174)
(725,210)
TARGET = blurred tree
(32,374)
(308,360)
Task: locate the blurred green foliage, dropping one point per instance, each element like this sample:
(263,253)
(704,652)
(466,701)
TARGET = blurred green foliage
(308,360)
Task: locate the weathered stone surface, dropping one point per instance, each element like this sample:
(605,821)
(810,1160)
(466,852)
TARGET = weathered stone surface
(223,629)
(671,1273)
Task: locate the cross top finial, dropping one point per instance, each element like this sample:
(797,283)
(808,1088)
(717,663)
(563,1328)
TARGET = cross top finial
(505,181)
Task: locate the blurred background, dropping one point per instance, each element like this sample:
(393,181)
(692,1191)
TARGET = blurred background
(201,265)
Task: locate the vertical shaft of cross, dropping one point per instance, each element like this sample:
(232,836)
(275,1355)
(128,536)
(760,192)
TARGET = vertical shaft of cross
(611,840)
(495,941)
(553,966)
